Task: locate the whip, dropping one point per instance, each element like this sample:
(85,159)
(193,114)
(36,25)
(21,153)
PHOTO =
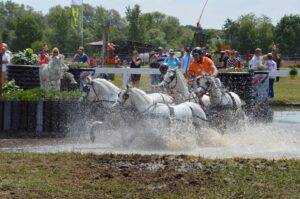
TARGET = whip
(203,10)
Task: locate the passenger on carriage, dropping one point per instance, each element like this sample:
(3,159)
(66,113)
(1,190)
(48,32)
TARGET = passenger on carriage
(201,64)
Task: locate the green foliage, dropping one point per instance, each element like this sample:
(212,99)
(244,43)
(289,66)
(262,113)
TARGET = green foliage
(25,58)
(293,72)
(288,35)
(71,64)
(28,29)
(249,32)
(10,87)
(133,17)
(38,94)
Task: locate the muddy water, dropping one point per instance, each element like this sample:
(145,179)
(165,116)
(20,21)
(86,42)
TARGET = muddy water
(280,139)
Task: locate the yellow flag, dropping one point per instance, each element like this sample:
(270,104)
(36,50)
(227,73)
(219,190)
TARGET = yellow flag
(75,16)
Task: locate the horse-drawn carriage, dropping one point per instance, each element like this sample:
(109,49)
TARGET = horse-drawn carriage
(205,103)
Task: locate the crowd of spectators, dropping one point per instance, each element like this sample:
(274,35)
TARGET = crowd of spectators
(187,62)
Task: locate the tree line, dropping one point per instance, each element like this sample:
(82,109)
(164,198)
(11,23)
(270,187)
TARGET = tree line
(22,27)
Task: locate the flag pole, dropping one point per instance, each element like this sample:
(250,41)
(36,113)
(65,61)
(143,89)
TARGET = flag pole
(81,22)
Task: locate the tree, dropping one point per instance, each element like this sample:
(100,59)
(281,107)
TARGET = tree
(264,33)
(133,17)
(156,37)
(28,29)
(288,35)
(249,32)
(59,21)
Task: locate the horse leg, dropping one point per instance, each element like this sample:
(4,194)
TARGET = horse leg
(94,126)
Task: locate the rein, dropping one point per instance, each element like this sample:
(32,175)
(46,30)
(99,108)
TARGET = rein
(171,80)
(98,99)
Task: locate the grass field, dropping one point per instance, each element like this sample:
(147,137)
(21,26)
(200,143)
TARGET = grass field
(134,176)
(287,90)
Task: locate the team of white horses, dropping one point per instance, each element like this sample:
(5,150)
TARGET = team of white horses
(201,101)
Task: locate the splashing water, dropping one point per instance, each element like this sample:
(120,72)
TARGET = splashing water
(280,139)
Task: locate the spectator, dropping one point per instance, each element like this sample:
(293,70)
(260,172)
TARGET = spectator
(172,61)
(153,63)
(80,56)
(43,55)
(238,60)
(186,60)
(93,61)
(271,66)
(256,63)
(161,56)
(231,62)
(67,75)
(225,58)
(136,62)
(6,56)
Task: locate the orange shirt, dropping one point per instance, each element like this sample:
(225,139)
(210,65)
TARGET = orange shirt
(197,69)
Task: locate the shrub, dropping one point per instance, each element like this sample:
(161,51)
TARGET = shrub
(293,72)
(27,57)
(37,94)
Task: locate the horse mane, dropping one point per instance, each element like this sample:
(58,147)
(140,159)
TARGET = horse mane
(143,94)
(109,85)
(183,81)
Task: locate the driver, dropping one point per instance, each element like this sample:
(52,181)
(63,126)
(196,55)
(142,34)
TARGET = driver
(201,64)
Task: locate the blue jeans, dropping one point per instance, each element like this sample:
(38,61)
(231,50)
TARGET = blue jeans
(271,88)
(155,79)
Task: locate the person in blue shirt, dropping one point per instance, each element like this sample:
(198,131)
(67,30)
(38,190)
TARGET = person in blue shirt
(172,61)
(81,56)
(186,60)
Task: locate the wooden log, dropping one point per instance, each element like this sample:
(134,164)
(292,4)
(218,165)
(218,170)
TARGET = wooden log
(7,116)
(24,116)
(15,115)
(1,115)
(31,120)
(39,118)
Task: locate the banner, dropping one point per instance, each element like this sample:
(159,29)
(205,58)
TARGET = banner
(75,4)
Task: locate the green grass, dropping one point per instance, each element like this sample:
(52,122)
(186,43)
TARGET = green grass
(144,83)
(287,90)
(72,175)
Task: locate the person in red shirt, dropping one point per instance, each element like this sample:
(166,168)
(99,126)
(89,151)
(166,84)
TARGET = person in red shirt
(43,56)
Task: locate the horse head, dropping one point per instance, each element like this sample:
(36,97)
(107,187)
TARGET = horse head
(123,96)
(168,78)
(204,83)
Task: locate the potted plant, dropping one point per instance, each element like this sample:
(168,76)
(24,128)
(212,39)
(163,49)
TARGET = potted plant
(293,72)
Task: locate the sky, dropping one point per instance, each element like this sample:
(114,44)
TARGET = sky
(188,11)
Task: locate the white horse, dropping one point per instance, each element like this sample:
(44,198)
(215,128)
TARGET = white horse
(218,96)
(101,90)
(226,107)
(105,92)
(51,74)
(146,106)
(175,82)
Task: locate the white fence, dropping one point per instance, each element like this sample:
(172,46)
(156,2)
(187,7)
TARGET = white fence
(148,71)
